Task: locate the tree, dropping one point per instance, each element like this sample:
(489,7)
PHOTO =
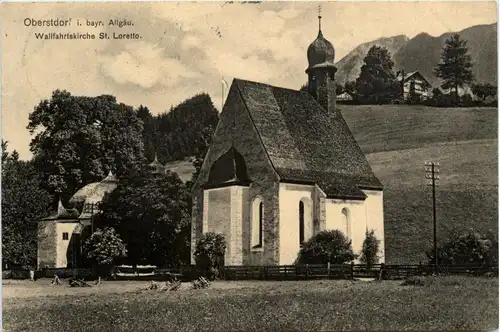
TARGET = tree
(181,133)
(148,133)
(377,82)
(339,88)
(151,212)
(350,86)
(209,252)
(468,247)
(103,248)
(455,68)
(79,140)
(483,91)
(369,252)
(326,246)
(24,203)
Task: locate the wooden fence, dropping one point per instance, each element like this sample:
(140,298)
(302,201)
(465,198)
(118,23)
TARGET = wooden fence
(284,272)
(338,271)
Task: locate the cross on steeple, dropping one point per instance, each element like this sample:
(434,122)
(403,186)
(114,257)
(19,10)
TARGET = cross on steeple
(319,17)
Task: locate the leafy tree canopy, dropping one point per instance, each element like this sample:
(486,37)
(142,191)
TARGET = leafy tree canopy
(78,140)
(377,82)
(104,247)
(326,246)
(24,203)
(152,215)
(184,131)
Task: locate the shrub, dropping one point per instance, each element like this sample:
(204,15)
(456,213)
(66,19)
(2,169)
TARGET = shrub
(468,248)
(103,248)
(209,253)
(369,252)
(326,247)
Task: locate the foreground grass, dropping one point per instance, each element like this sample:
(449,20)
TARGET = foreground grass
(451,304)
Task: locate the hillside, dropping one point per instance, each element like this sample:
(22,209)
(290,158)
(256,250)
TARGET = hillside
(423,53)
(397,140)
(349,67)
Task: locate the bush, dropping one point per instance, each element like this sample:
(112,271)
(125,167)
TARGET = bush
(468,248)
(326,247)
(369,252)
(209,253)
(103,248)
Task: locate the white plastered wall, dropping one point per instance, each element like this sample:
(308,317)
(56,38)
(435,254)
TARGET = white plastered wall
(362,215)
(224,212)
(62,245)
(289,197)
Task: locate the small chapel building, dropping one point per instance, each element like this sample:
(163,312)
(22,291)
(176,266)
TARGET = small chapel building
(283,166)
(60,235)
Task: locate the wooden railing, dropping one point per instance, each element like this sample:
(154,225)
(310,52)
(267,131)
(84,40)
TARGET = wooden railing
(285,272)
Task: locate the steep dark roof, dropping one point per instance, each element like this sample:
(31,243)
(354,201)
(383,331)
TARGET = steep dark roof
(305,143)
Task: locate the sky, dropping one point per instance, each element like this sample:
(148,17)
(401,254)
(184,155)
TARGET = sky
(187,48)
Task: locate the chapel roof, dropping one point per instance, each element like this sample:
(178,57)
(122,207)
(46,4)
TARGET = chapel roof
(305,143)
(321,52)
(63,213)
(93,193)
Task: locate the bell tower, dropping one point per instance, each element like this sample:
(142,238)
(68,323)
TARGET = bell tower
(321,71)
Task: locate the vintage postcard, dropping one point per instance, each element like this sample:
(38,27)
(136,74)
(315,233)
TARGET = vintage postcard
(249,166)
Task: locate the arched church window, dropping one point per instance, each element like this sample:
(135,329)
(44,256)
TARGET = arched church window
(301,222)
(346,222)
(257,222)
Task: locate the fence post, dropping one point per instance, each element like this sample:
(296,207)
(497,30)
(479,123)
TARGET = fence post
(307,271)
(380,275)
(328,267)
(352,270)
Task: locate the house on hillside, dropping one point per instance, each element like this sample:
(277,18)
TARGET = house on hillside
(282,166)
(414,84)
(462,91)
(345,96)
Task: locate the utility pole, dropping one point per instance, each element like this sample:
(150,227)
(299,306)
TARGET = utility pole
(432,174)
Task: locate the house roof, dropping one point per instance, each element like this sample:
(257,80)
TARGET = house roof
(411,74)
(63,213)
(93,193)
(304,143)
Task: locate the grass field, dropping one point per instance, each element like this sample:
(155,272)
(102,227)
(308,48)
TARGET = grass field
(397,140)
(444,303)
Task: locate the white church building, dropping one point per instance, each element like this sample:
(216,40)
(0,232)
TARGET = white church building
(282,166)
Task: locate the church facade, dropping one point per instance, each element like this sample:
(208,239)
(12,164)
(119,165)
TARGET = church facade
(283,166)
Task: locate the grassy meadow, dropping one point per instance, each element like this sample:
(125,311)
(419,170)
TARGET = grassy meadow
(443,303)
(397,140)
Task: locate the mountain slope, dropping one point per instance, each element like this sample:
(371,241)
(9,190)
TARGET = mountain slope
(423,52)
(349,67)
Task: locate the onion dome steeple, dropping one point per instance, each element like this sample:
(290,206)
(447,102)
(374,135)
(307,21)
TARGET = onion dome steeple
(321,71)
(321,51)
